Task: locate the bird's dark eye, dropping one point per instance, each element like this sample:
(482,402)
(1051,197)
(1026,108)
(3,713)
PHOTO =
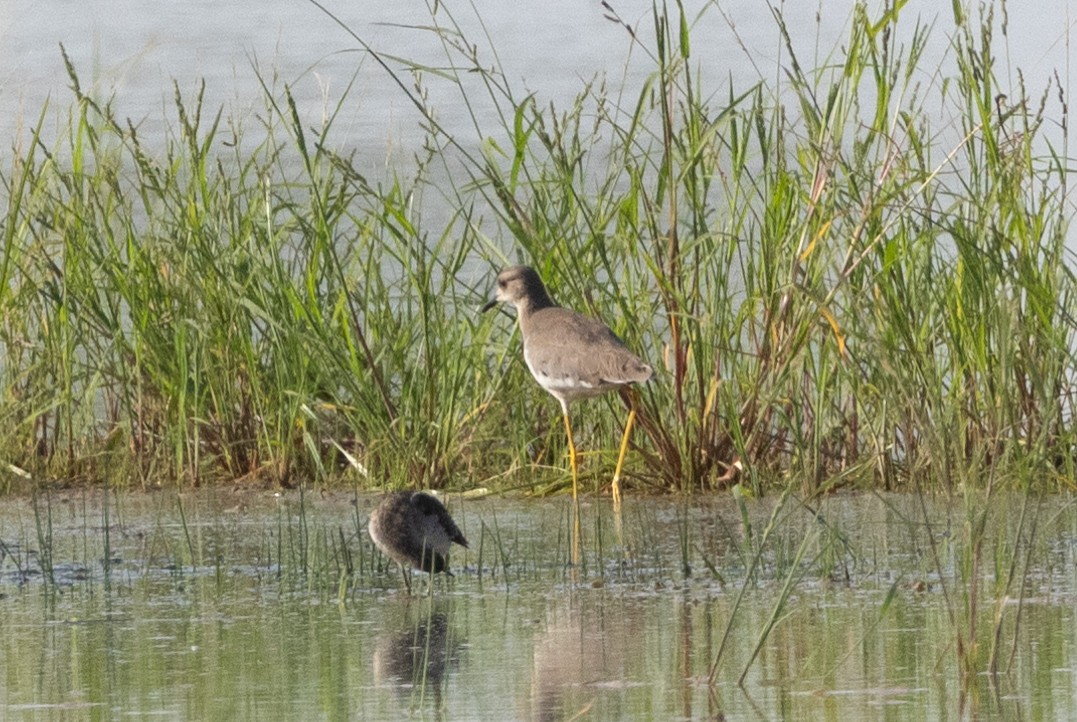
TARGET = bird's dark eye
(502,283)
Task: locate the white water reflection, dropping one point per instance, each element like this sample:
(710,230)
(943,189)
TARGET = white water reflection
(584,656)
(135,50)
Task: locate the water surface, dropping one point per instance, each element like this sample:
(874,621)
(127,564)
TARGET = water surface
(133,52)
(251,605)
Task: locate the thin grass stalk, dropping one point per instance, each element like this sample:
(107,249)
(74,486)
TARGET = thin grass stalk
(749,579)
(1002,592)
(186,531)
(779,606)
(43,527)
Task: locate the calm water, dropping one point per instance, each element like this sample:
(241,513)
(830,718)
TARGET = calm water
(133,51)
(231,606)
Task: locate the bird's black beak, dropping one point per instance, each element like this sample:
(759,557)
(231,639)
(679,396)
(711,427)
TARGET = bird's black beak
(488,305)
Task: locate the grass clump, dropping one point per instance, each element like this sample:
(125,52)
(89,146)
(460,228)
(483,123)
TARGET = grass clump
(197,315)
(835,288)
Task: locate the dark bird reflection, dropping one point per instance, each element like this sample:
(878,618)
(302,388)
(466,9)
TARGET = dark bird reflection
(413,655)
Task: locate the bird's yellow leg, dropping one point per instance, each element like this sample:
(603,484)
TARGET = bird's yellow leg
(621,460)
(571,455)
(576,531)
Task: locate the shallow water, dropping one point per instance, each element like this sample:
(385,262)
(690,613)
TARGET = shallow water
(241,605)
(133,52)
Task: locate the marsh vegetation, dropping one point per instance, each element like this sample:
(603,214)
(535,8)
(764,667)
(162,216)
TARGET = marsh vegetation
(855,276)
(838,283)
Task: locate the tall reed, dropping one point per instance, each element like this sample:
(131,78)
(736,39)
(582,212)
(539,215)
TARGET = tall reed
(836,288)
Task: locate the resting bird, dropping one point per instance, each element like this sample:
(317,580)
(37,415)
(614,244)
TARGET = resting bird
(415,530)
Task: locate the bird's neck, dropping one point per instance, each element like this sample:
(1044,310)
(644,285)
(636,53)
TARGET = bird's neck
(531,305)
(536,301)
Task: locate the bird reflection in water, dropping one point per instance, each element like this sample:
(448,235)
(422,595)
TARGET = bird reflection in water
(585,658)
(413,657)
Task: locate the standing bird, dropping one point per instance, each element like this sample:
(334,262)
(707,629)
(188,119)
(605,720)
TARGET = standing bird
(571,355)
(416,531)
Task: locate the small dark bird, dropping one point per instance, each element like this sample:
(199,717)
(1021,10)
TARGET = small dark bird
(415,530)
(570,355)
